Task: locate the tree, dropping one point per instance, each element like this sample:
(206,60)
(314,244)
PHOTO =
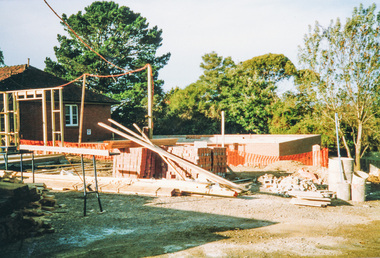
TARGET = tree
(247,100)
(346,59)
(123,38)
(224,86)
(270,67)
(1,58)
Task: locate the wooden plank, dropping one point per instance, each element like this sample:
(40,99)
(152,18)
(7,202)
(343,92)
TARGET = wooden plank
(66,150)
(302,202)
(322,199)
(136,186)
(305,193)
(121,144)
(210,176)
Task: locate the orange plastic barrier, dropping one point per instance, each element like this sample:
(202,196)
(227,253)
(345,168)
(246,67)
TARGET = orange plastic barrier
(235,158)
(97,146)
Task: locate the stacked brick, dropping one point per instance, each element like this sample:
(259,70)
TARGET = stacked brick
(199,156)
(138,163)
(219,161)
(144,163)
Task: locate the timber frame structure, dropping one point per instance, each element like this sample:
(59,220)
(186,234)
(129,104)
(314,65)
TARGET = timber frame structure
(10,114)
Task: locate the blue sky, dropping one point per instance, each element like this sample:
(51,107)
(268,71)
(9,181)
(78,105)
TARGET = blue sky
(241,29)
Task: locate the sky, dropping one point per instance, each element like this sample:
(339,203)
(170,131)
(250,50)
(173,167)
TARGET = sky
(241,29)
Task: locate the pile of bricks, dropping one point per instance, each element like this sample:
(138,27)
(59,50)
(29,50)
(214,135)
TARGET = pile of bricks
(219,161)
(138,163)
(144,163)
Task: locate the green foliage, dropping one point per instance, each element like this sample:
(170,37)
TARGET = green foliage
(1,58)
(119,35)
(295,113)
(346,59)
(123,38)
(271,67)
(223,86)
(247,101)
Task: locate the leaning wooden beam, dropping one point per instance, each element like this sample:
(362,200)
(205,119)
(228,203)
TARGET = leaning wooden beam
(121,144)
(212,177)
(168,161)
(147,140)
(66,150)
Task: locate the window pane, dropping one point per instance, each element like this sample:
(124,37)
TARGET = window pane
(71,115)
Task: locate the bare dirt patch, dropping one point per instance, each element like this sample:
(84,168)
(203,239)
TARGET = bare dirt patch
(254,225)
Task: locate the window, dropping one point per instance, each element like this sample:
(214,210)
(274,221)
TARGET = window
(71,114)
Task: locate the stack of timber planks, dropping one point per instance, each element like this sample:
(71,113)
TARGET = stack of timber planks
(309,198)
(23,208)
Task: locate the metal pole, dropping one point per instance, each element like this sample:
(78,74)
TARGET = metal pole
(96,183)
(84,186)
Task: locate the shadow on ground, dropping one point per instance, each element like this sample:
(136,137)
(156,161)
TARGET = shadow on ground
(129,227)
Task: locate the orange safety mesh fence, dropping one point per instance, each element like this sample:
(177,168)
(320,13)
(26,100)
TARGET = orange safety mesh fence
(97,146)
(317,158)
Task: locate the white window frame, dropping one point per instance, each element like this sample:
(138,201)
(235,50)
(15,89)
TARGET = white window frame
(71,114)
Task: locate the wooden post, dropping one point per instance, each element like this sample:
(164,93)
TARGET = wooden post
(1,121)
(52,104)
(316,155)
(6,119)
(44,118)
(150,103)
(16,119)
(61,117)
(223,129)
(82,110)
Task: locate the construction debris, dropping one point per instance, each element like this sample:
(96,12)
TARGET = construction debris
(23,208)
(304,190)
(207,175)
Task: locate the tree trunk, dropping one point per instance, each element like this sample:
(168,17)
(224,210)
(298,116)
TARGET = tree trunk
(358,146)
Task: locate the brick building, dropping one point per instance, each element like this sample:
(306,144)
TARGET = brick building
(97,107)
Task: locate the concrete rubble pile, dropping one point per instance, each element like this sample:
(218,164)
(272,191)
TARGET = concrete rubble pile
(23,209)
(305,188)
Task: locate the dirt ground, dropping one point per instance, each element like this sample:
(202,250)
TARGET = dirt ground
(254,225)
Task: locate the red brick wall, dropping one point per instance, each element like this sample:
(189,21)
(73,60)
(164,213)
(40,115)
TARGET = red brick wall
(31,122)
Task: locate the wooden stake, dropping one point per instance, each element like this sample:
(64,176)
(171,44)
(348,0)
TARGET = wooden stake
(61,117)
(52,104)
(81,110)
(7,119)
(223,129)
(150,103)
(44,118)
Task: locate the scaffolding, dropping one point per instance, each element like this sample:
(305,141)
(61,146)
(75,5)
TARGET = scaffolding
(10,115)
